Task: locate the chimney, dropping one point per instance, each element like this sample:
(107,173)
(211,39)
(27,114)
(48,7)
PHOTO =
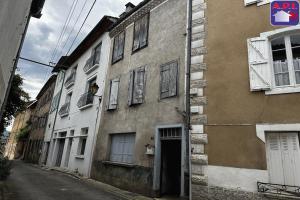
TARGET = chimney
(129,7)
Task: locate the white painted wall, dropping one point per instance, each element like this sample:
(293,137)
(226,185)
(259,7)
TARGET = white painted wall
(78,119)
(236,178)
(13,20)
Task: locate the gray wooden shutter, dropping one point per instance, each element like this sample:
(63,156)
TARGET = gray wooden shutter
(259,65)
(139,85)
(136,43)
(121,45)
(143,31)
(130,87)
(173,79)
(115,50)
(114,90)
(164,81)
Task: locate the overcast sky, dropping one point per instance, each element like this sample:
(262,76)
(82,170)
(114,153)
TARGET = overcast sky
(43,34)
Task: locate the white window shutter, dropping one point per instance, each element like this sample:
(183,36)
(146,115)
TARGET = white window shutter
(114,90)
(249,2)
(259,64)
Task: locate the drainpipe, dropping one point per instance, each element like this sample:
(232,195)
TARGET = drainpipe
(14,67)
(188,75)
(56,112)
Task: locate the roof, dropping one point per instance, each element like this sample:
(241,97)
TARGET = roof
(102,27)
(46,86)
(36,8)
(125,16)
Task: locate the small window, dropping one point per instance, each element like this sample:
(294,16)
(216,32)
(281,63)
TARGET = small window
(140,36)
(82,141)
(113,94)
(90,83)
(69,97)
(122,148)
(136,89)
(118,50)
(96,54)
(72,133)
(168,80)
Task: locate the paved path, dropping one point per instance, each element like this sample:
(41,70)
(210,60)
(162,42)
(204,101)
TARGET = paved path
(27,182)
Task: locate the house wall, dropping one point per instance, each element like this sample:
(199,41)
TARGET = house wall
(166,42)
(78,119)
(13,19)
(233,111)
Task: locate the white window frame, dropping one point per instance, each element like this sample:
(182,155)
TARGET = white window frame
(261,129)
(286,33)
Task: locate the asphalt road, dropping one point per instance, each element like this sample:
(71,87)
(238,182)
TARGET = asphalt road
(27,182)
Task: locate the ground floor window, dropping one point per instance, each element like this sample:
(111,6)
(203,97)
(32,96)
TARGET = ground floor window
(122,148)
(82,141)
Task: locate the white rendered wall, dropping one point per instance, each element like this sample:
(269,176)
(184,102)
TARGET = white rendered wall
(236,178)
(78,119)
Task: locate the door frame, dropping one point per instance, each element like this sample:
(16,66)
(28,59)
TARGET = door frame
(157,157)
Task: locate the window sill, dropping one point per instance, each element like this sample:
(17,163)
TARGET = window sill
(85,107)
(116,61)
(92,68)
(64,115)
(118,164)
(283,90)
(79,156)
(140,48)
(67,86)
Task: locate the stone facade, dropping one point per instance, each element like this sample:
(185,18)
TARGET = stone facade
(198,137)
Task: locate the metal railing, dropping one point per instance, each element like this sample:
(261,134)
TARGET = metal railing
(85,99)
(90,63)
(70,79)
(277,189)
(64,110)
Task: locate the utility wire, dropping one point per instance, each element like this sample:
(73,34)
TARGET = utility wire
(61,33)
(74,25)
(81,27)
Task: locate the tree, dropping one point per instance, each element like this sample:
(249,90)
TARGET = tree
(16,102)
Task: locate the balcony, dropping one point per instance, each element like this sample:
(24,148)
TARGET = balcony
(85,101)
(64,110)
(70,80)
(90,65)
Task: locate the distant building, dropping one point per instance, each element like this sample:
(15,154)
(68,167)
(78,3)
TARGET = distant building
(14,147)
(14,20)
(141,145)
(38,122)
(75,112)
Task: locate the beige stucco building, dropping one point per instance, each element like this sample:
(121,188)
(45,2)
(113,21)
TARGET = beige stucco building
(253,108)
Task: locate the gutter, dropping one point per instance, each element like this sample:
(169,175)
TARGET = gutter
(188,85)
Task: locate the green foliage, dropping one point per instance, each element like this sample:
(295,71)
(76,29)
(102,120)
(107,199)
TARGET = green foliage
(16,102)
(5,166)
(24,133)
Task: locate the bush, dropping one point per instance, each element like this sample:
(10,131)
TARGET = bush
(5,166)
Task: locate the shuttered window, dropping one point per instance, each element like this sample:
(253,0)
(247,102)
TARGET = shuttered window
(168,80)
(96,54)
(118,49)
(136,88)
(122,148)
(140,36)
(113,94)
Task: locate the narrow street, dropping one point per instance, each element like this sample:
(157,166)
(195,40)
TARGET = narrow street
(27,182)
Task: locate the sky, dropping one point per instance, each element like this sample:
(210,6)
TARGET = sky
(43,34)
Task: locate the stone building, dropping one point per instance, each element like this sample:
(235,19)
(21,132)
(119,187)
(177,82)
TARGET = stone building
(38,122)
(253,113)
(14,19)
(75,112)
(15,145)
(141,144)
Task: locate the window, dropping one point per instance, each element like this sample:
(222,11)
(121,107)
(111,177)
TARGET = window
(68,97)
(82,141)
(274,64)
(113,94)
(168,79)
(96,54)
(118,50)
(122,148)
(140,36)
(136,89)
(90,84)
(55,102)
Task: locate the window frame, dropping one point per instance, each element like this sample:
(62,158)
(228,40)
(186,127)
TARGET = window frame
(94,54)
(147,38)
(293,86)
(113,47)
(83,136)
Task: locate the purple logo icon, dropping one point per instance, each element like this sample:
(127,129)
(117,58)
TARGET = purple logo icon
(285,13)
